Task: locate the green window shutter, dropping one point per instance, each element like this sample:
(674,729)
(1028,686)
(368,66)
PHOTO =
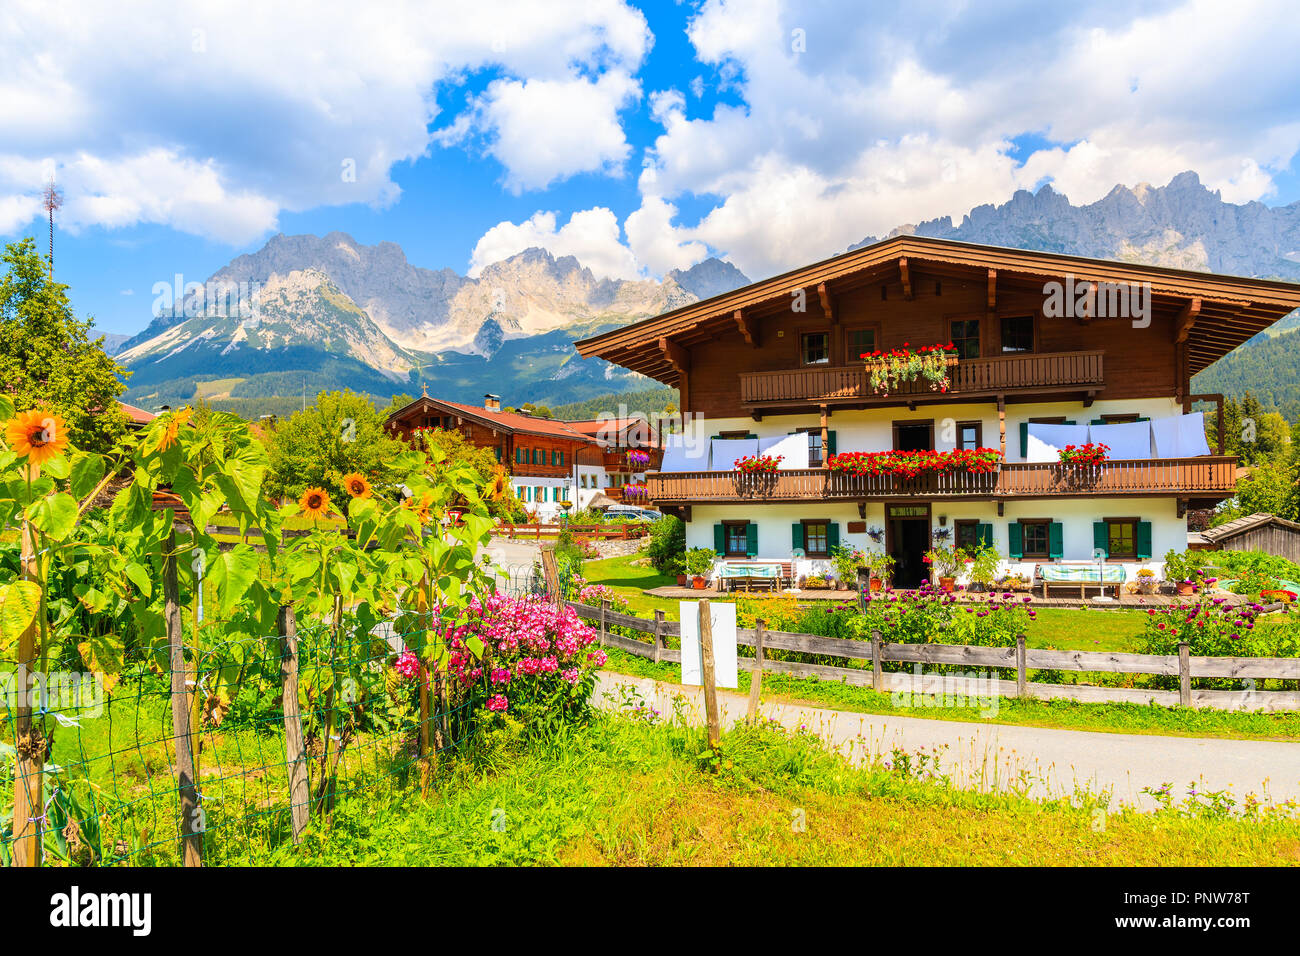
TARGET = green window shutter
(1101,537)
(984,534)
(751,435)
(561,458)
(796,536)
(830,444)
(1069,422)
(518,455)
(719,539)
(832,536)
(1024,439)
(1097,421)
(1144,540)
(751,539)
(1015,540)
(497,449)
(1144,418)
(1055,540)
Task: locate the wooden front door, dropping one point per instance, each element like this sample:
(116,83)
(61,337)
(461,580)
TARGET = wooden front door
(907,538)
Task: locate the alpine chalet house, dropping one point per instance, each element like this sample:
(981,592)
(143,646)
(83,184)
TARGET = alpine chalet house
(547,460)
(1025,355)
(629,452)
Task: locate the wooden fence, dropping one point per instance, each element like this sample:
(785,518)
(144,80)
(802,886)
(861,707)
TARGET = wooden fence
(872,655)
(609,531)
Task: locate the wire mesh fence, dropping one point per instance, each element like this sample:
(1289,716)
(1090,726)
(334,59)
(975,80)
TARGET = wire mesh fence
(113,790)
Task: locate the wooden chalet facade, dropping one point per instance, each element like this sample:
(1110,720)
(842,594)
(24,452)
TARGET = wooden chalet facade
(543,456)
(1038,340)
(617,438)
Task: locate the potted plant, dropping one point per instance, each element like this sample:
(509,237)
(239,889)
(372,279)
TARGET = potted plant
(699,563)
(847,561)
(889,368)
(945,561)
(983,566)
(882,566)
(1180,567)
(1146,581)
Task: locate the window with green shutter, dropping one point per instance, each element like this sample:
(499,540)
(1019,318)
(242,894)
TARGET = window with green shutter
(796,536)
(830,444)
(985,534)
(1015,540)
(720,538)
(1143,540)
(1056,540)
(832,534)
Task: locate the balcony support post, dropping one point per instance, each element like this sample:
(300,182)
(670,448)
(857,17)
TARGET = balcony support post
(1002,423)
(826,436)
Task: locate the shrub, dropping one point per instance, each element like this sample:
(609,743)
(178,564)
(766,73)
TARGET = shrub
(536,664)
(667,549)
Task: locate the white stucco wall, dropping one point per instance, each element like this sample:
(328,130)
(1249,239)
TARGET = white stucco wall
(872,429)
(1076,515)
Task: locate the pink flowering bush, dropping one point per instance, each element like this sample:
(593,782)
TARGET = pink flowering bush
(407,665)
(536,662)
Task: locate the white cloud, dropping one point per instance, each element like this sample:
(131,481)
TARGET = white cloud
(544,130)
(882,122)
(592,236)
(213,119)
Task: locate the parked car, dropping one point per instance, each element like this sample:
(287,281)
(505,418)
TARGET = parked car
(631,513)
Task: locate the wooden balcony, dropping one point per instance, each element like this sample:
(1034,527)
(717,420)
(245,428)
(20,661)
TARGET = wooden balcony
(1022,372)
(1208,477)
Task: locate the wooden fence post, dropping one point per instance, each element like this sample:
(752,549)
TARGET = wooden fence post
(551,576)
(708,676)
(426,726)
(756,679)
(877,681)
(295,757)
(1184,674)
(658,634)
(604,604)
(1021,674)
(29,759)
(192,824)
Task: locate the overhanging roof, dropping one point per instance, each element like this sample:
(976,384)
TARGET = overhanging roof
(1231,308)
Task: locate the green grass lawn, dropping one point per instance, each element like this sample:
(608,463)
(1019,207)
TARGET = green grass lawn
(628,792)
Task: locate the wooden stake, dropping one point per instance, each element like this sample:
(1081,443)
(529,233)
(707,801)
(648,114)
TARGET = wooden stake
(551,576)
(659,635)
(426,727)
(295,757)
(877,681)
(710,687)
(1184,674)
(756,678)
(603,606)
(1021,674)
(182,682)
(30,760)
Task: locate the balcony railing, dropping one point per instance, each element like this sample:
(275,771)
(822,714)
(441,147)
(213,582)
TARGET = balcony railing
(1005,373)
(1209,476)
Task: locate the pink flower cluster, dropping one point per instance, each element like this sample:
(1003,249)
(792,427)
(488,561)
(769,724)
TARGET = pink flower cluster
(530,645)
(407,665)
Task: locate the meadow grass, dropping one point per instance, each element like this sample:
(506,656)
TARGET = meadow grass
(628,792)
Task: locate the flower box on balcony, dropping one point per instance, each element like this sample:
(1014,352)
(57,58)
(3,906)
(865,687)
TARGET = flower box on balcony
(909,464)
(758,464)
(889,369)
(1090,454)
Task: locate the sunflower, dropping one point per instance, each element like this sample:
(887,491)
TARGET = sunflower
(173,427)
(357,485)
(419,506)
(315,502)
(499,485)
(38,434)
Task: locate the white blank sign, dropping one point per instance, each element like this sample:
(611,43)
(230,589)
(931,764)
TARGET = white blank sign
(723,618)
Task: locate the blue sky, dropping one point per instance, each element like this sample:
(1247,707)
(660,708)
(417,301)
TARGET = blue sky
(639,137)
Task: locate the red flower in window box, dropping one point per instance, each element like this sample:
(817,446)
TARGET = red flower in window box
(1092,453)
(889,369)
(758,464)
(909,464)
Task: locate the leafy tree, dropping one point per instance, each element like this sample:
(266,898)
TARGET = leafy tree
(47,357)
(341,433)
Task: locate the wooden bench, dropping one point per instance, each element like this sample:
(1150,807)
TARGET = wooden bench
(1084,574)
(734,577)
